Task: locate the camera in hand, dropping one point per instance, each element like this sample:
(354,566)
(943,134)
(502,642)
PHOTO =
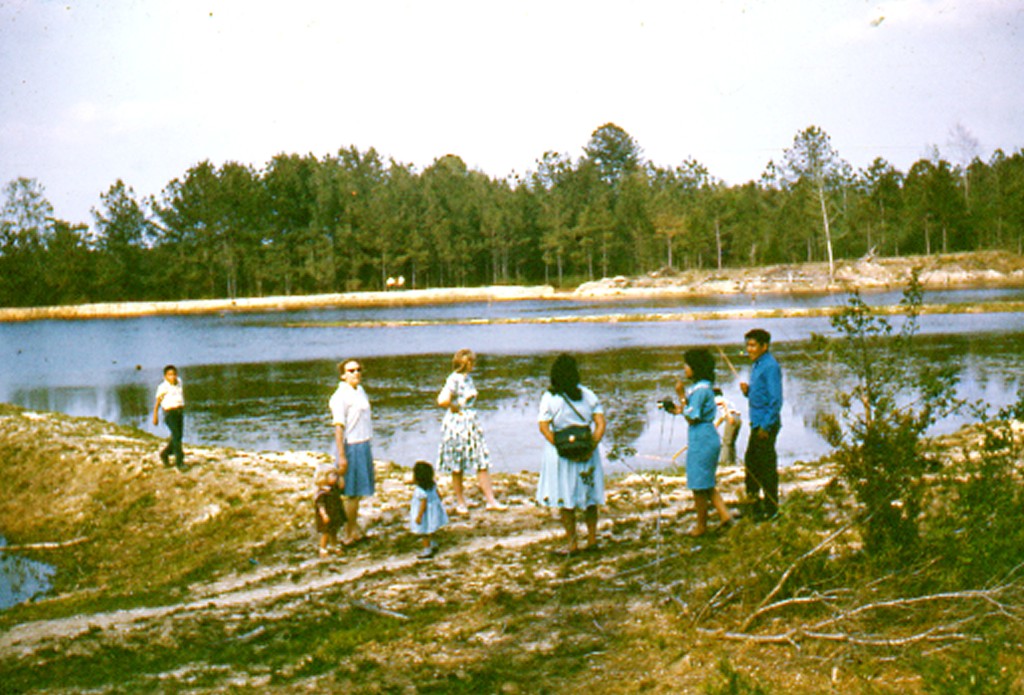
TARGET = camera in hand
(667,404)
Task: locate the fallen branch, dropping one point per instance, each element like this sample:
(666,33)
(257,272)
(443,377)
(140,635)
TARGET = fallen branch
(785,575)
(789,637)
(795,601)
(932,635)
(49,545)
(795,636)
(711,602)
(370,608)
(989,596)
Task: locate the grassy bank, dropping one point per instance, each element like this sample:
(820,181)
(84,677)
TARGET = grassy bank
(207,581)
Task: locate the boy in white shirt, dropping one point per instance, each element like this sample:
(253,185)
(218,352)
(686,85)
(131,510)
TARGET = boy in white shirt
(171,398)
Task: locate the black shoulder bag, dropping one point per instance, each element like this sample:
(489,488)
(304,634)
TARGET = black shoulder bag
(575,442)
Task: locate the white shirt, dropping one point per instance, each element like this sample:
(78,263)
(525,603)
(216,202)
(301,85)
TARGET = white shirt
(351,408)
(725,407)
(170,395)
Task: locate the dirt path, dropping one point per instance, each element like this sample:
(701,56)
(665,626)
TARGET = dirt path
(265,585)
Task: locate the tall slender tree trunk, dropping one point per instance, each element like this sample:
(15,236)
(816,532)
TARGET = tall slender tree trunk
(828,231)
(718,242)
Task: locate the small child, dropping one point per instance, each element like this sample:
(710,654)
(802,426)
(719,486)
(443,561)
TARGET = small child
(426,513)
(170,397)
(330,514)
(728,414)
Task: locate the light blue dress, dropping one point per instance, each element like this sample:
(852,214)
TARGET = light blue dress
(462,449)
(703,444)
(433,518)
(566,484)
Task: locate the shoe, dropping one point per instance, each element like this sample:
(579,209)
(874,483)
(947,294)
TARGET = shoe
(323,552)
(165,457)
(497,507)
(461,510)
(427,553)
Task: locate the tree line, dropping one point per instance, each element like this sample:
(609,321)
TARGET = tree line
(350,220)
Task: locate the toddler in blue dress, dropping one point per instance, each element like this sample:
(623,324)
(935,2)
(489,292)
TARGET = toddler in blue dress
(426,513)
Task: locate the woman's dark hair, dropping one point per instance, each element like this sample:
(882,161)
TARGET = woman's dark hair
(565,377)
(702,364)
(423,475)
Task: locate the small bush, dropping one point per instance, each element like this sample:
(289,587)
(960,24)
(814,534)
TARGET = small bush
(878,435)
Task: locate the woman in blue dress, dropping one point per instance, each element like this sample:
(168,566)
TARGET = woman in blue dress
(564,484)
(697,405)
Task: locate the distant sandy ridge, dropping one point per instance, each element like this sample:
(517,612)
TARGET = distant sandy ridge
(978,269)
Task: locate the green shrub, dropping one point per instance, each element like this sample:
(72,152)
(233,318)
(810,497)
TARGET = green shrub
(878,434)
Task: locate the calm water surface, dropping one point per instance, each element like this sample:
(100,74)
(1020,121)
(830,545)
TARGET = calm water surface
(21,579)
(262,381)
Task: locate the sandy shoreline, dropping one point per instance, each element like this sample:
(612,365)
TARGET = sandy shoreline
(974,270)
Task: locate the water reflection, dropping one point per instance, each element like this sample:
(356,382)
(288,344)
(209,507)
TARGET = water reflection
(283,405)
(117,403)
(254,382)
(21,579)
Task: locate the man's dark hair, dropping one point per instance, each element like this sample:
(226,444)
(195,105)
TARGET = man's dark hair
(759,335)
(169,368)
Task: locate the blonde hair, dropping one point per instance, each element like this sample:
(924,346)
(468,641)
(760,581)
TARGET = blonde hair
(341,365)
(460,363)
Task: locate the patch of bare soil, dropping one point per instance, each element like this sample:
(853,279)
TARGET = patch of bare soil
(981,269)
(208,581)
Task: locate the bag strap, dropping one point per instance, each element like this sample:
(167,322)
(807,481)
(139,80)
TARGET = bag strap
(586,421)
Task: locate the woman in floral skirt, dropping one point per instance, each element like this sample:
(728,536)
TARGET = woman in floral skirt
(463,449)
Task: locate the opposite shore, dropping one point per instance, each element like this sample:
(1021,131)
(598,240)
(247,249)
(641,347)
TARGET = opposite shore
(965,270)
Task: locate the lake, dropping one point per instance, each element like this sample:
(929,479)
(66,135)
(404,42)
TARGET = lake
(262,381)
(21,579)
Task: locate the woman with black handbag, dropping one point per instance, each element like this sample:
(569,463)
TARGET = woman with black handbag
(572,422)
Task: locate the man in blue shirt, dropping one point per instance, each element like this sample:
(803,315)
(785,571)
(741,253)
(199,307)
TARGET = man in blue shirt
(764,394)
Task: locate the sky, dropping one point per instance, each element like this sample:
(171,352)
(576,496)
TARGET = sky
(93,92)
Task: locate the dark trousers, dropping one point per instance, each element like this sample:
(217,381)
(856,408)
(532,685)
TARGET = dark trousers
(761,465)
(175,421)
